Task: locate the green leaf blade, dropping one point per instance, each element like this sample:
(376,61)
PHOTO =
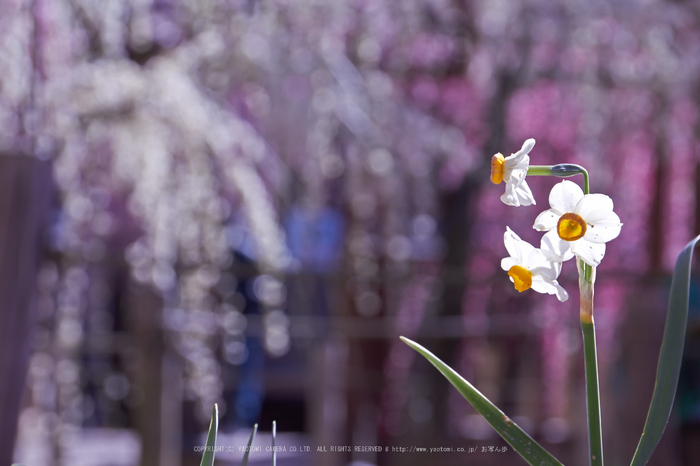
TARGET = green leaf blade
(517,438)
(670,358)
(210,449)
(274,450)
(250,444)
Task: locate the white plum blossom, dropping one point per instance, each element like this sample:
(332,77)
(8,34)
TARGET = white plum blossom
(578,224)
(529,267)
(512,170)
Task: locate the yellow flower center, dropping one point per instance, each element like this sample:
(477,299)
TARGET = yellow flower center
(497,164)
(571,227)
(522,277)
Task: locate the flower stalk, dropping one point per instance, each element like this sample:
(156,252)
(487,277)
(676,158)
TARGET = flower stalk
(586,289)
(577,224)
(562,170)
(595,431)
(590,355)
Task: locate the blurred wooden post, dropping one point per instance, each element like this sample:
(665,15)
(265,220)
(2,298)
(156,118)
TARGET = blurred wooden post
(26,188)
(157,374)
(327,392)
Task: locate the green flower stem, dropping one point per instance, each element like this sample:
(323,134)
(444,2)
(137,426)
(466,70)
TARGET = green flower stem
(595,432)
(562,170)
(540,170)
(586,281)
(590,357)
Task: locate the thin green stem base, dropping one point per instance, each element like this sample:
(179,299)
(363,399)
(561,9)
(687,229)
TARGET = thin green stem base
(595,432)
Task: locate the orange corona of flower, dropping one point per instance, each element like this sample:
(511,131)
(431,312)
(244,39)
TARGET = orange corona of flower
(522,277)
(497,165)
(571,227)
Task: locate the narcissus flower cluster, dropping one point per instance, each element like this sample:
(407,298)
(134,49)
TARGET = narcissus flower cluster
(576,224)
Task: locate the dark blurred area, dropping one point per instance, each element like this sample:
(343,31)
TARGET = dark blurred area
(247,202)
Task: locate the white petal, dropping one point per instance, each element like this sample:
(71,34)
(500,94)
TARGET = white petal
(592,202)
(509,197)
(510,200)
(562,294)
(602,217)
(524,194)
(539,264)
(602,226)
(565,196)
(555,248)
(528,145)
(534,260)
(543,285)
(508,262)
(518,156)
(522,162)
(588,252)
(518,195)
(515,176)
(514,245)
(547,220)
(550,270)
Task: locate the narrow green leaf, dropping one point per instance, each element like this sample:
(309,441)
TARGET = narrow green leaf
(250,444)
(511,432)
(274,435)
(669,358)
(209,450)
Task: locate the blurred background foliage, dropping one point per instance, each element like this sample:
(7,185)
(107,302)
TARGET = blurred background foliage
(246,202)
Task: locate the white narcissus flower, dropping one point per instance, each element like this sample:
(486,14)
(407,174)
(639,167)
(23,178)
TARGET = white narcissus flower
(512,170)
(528,267)
(577,224)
